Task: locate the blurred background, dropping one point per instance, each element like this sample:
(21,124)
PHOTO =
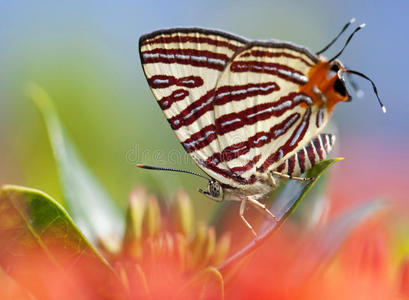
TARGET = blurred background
(85,55)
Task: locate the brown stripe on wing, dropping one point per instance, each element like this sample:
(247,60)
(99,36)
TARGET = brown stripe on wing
(200,139)
(230,93)
(291,164)
(227,173)
(318,148)
(233,121)
(193,111)
(320,117)
(260,53)
(193,57)
(315,152)
(256,141)
(165,81)
(240,170)
(328,140)
(290,144)
(301,160)
(276,69)
(197,39)
(176,95)
(230,122)
(225,124)
(281,167)
(310,153)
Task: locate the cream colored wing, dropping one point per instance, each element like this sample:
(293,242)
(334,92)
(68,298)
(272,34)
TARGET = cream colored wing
(182,67)
(261,117)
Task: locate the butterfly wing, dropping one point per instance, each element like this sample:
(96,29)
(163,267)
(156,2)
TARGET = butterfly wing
(235,105)
(182,67)
(261,116)
(312,153)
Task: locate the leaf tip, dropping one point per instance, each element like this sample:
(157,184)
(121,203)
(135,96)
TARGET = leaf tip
(37,94)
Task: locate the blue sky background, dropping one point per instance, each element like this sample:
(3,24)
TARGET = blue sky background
(85,54)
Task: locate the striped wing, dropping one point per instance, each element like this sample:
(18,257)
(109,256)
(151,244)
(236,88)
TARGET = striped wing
(235,105)
(312,153)
(261,117)
(182,67)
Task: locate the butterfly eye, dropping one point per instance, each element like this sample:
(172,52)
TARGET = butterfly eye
(215,189)
(339,87)
(335,68)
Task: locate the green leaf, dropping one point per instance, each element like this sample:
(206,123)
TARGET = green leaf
(284,204)
(90,205)
(294,191)
(45,252)
(314,208)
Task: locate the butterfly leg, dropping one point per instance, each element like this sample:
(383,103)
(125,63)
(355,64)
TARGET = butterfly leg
(286,176)
(242,208)
(262,207)
(272,180)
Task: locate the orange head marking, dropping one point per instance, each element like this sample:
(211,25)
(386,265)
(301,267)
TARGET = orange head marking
(326,85)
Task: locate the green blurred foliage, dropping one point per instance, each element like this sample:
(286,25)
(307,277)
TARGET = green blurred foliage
(113,126)
(85,56)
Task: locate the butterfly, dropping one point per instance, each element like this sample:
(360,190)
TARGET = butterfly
(248,112)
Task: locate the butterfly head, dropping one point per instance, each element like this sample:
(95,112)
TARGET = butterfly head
(214,190)
(326,84)
(338,88)
(330,76)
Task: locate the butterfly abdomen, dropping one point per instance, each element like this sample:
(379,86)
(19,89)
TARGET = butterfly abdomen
(314,152)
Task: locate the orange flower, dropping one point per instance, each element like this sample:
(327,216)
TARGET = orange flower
(288,266)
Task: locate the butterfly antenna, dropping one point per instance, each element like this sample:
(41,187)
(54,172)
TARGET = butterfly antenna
(373,86)
(358,92)
(348,40)
(170,169)
(336,38)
